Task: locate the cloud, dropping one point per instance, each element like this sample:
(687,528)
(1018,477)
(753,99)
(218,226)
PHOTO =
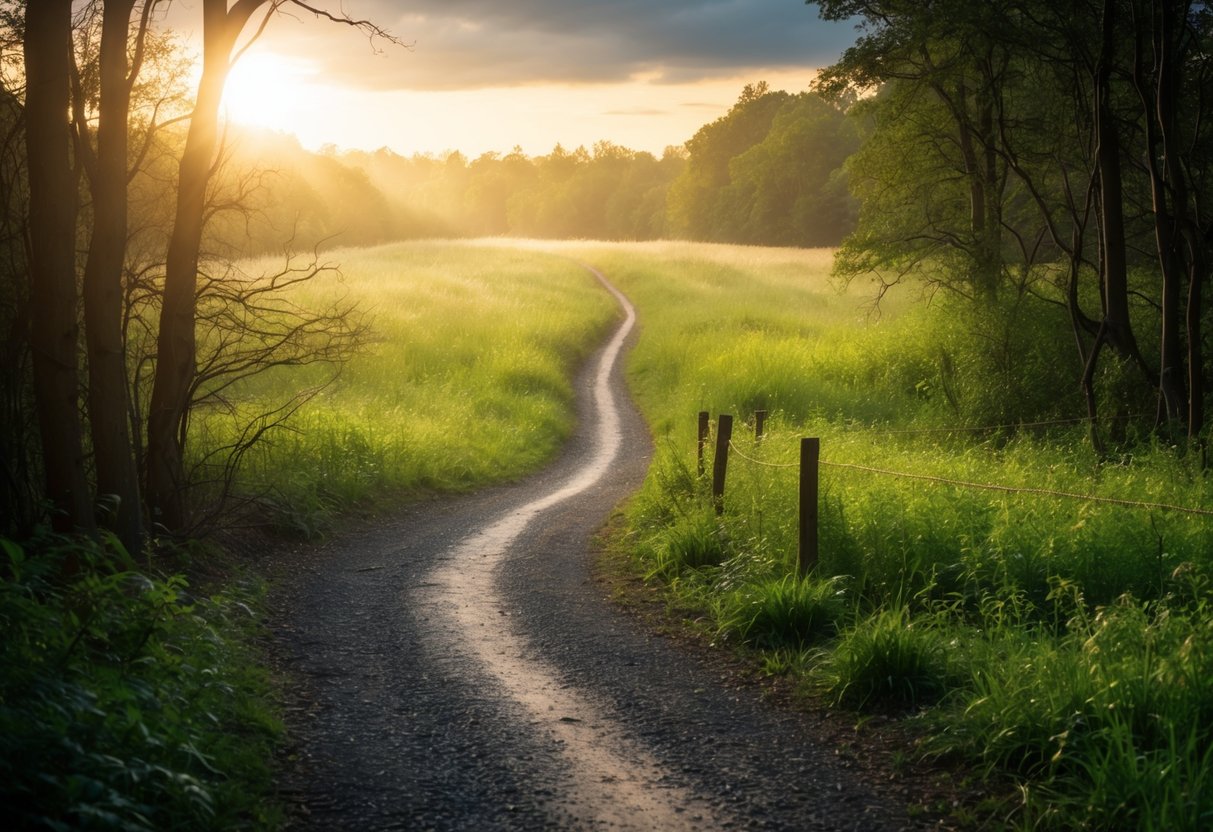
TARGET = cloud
(468,44)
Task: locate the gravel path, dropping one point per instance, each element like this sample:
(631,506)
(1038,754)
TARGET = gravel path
(454,666)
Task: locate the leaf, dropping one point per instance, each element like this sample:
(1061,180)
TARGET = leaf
(16,556)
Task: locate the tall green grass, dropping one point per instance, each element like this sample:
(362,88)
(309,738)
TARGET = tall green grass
(466,380)
(1063,642)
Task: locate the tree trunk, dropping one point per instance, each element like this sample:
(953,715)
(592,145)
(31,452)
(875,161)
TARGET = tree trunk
(175,347)
(1115,265)
(1169,215)
(1198,275)
(982,200)
(108,383)
(52,225)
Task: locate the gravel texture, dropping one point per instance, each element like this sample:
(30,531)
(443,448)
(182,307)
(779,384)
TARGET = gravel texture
(508,692)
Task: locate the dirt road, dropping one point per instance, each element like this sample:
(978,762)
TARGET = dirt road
(455,667)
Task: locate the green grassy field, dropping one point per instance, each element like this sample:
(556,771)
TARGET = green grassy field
(466,380)
(1064,642)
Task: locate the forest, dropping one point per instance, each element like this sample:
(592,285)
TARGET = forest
(1020,192)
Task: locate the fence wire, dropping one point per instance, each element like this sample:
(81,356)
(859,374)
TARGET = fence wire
(980,486)
(742,454)
(1078,420)
(1014,489)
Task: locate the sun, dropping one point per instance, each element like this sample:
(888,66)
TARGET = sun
(265,89)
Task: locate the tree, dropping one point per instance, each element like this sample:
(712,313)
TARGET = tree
(168,416)
(107,169)
(697,208)
(54,330)
(790,189)
(20,493)
(942,63)
(1032,108)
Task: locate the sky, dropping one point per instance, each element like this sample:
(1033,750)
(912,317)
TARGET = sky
(488,75)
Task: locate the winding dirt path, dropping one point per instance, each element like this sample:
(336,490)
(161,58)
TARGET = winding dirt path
(455,667)
(612,777)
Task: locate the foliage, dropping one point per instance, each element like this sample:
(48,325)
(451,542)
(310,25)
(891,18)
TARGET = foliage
(767,173)
(996,162)
(1110,723)
(125,702)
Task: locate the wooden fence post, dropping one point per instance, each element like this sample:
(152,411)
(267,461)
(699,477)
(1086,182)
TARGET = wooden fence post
(760,420)
(704,428)
(810,454)
(724,433)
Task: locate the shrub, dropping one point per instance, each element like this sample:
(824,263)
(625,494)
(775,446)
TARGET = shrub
(125,703)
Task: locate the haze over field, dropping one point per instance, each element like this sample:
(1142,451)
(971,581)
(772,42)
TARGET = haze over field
(481,76)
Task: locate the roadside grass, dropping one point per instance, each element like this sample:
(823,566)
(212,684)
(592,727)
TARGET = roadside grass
(466,381)
(1063,642)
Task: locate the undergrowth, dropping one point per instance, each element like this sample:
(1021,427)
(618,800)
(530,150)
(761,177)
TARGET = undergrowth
(126,703)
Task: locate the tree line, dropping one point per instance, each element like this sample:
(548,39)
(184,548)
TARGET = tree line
(768,172)
(1046,159)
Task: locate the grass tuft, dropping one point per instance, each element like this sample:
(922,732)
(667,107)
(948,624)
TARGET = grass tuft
(890,659)
(788,612)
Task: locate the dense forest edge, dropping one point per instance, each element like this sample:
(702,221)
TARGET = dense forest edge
(1032,178)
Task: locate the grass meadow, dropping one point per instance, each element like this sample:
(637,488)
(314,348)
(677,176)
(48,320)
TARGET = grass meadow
(465,381)
(1062,645)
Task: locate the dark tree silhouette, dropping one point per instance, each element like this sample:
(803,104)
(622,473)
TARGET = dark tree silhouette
(54,331)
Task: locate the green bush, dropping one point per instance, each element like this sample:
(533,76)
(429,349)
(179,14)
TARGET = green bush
(125,704)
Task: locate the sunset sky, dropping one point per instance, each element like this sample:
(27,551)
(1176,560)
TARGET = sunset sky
(490,74)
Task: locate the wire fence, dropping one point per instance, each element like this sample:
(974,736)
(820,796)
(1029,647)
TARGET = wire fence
(810,462)
(1078,420)
(980,486)
(1016,489)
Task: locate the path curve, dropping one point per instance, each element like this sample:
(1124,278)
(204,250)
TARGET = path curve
(614,780)
(454,666)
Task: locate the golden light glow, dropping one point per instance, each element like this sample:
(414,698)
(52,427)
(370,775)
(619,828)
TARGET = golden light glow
(268,90)
(293,95)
